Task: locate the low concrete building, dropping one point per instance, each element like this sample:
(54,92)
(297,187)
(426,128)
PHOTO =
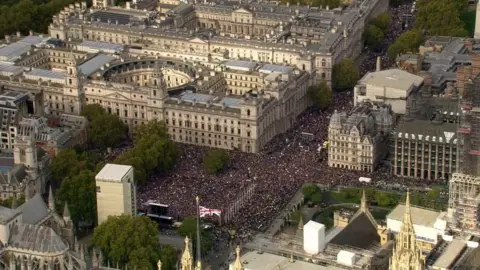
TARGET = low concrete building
(429,224)
(116,193)
(391,87)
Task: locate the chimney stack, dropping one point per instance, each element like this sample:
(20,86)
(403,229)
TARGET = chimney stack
(379,63)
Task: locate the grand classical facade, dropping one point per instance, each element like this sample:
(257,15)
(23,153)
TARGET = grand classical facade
(312,39)
(232,104)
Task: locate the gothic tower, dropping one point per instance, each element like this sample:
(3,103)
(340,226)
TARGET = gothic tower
(406,254)
(187,259)
(238,264)
(73,90)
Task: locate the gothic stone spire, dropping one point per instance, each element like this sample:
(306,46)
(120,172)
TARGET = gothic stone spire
(238,264)
(187,259)
(51,200)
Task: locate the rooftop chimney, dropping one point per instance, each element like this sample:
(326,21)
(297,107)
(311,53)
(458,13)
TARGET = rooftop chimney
(30,33)
(379,63)
(19,34)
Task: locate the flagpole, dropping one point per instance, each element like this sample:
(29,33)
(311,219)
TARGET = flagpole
(199,251)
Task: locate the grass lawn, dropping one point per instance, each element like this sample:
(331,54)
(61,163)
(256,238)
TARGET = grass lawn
(468,18)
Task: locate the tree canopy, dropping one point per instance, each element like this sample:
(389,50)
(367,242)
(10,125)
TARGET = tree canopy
(381,21)
(406,42)
(189,228)
(153,152)
(321,95)
(35,15)
(70,162)
(441,17)
(312,193)
(168,256)
(104,130)
(131,240)
(74,173)
(79,192)
(345,75)
(216,160)
(375,30)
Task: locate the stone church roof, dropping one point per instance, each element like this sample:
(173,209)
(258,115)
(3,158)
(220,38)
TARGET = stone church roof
(36,238)
(34,210)
(359,233)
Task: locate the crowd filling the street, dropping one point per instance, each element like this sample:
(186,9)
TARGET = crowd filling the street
(284,165)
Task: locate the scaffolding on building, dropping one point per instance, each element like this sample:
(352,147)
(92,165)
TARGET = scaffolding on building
(464,186)
(468,212)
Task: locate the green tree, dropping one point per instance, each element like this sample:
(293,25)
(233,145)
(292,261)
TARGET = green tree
(216,160)
(106,131)
(93,111)
(381,21)
(321,95)
(345,74)
(79,192)
(168,256)
(151,128)
(440,18)
(406,43)
(312,193)
(153,152)
(131,240)
(373,36)
(189,228)
(66,163)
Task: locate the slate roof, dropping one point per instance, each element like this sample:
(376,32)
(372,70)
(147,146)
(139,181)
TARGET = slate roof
(359,233)
(36,238)
(7,214)
(34,210)
(14,176)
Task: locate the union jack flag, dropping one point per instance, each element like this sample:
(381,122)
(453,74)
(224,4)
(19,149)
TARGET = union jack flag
(209,212)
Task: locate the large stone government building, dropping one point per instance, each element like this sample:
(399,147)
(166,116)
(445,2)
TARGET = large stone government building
(312,39)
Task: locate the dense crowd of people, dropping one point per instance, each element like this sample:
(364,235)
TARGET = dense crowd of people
(286,163)
(401,20)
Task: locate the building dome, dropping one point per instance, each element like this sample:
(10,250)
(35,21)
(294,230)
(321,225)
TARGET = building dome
(336,119)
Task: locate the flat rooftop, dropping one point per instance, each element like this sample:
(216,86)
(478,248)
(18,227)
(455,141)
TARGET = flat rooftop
(265,261)
(427,130)
(105,16)
(113,172)
(420,216)
(101,45)
(95,63)
(392,78)
(450,255)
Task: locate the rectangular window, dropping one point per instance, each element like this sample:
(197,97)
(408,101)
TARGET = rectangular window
(98,189)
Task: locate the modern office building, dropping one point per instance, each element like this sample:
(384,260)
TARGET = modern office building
(360,139)
(116,191)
